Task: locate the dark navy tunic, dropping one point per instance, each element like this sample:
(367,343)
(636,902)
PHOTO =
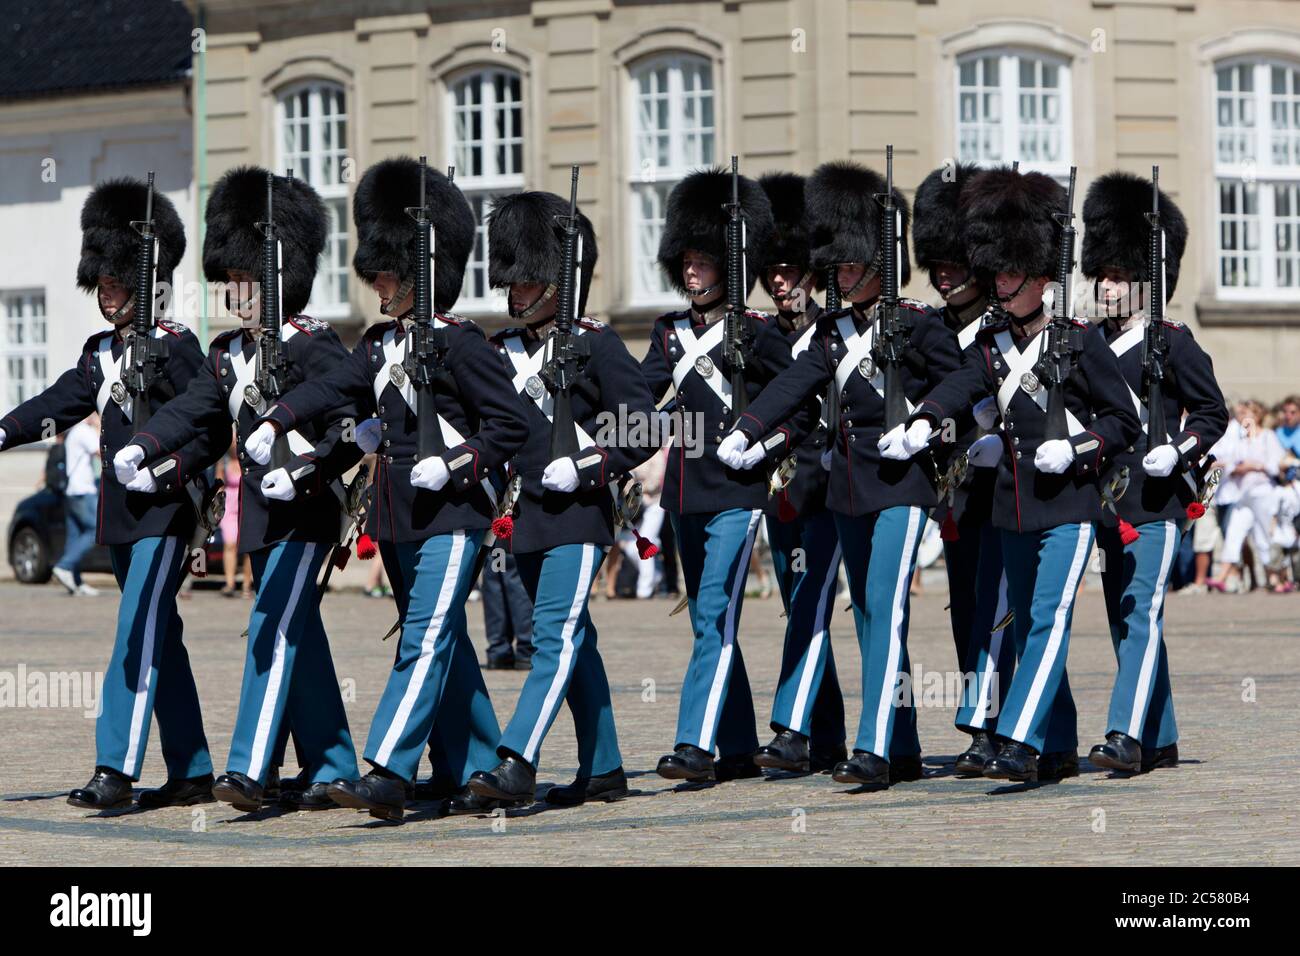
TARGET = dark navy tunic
(127,516)
(861,482)
(320,452)
(484,425)
(806,492)
(609,394)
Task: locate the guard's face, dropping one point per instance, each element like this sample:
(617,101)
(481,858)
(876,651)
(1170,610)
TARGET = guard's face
(700,273)
(524,294)
(1022,302)
(946,276)
(849,275)
(1116,292)
(782,283)
(242,296)
(112,296)
(386,286)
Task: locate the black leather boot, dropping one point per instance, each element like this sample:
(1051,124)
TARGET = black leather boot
(185,792)
(465,802)
(736,767)
(606,787)
(108,789)
(977,755)
(513,781)
(380,793)
(687,762)
(1058,764)
(315,796)
(1160,757)
(787,751)
(824,759)
(1119,752)
(905,769)
(863,769)
(1014,761)
(240,791)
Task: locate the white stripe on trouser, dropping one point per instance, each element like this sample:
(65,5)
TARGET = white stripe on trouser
(565,664)
(1143,688)
(818,639)
(421,668)
(1058,631)
(995,652)
(728,637)
(134,738)
(275,676)
(914,518)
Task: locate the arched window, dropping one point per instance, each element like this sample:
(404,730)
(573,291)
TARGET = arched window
(1257,168)
(312,128)
(485,142)
(1014,105)
(672,130)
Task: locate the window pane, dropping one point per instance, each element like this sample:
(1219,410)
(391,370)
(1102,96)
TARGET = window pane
(1240,262)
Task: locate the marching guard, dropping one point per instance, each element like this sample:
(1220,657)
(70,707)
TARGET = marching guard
(580,386)
(290,513)
(718,355)
(146,522)
(809,726)
(1132,248)
(1065,410)
(972,546)
(447,420)
(877,356)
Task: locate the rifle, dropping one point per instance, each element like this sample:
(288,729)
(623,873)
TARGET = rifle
(738,333)
(271,361)
(564,350)
(426,346)
(892,337)
(1063,340)
(1155,347)
(832,393)
(145,356)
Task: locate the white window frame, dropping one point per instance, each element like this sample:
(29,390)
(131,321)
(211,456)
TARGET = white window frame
(493,181)
(336,260)
(1259,173)
(679,164)
(1009,89)
(33,356)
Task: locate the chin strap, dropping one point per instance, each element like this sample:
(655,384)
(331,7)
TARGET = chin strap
(868,274)
(779,300)
(126,307)
(1011,295)
(398,297)
(540,301)
(957,290)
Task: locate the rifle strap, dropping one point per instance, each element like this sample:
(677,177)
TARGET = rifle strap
(1020,364)
(697,348)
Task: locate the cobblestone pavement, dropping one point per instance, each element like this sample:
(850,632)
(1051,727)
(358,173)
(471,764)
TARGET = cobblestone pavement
(1235,800)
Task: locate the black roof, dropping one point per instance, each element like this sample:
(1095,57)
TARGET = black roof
(75,46)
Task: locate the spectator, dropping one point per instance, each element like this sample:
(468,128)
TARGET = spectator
(507,614)
(80,503)
(1251,457)
(1287,426)
(230,472)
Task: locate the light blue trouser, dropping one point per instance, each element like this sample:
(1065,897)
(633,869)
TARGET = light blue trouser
(566,662)
(1043,572)
(978,586)
(806,556)
(1136,579)
(880,558)
(289,673)
(717,707)
(149,670)
(433,577)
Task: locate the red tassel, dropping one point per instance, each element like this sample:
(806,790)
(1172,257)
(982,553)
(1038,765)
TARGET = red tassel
(645,547)
(366,547)
(341,555)
(503,528)
(948,530)
(1127,533)
(785,512)
(1195,510)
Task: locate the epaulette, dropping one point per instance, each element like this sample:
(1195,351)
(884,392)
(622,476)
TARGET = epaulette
(305,323)
(1175,324)
(992,326)
(755,314)
(451,318)
(916,305)
(595,325)
(175,328)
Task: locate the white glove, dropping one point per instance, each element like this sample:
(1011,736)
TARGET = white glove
(127,461)
(827,456)
(561,475)
(142,481)
(278,486)
(754,456)
(368,435)
(732,450)
(1054,456)
(1160,461)
(3,436)
(259,443)
(903,441)
(985,452)
(430,474)
(986,412)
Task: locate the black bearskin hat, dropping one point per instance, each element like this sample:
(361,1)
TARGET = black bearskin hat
(1007,224)
(936,226)
(696,219)
(386,235)
(1116,231)
(238,201)
(526,242)
(844,216)
(109,244)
